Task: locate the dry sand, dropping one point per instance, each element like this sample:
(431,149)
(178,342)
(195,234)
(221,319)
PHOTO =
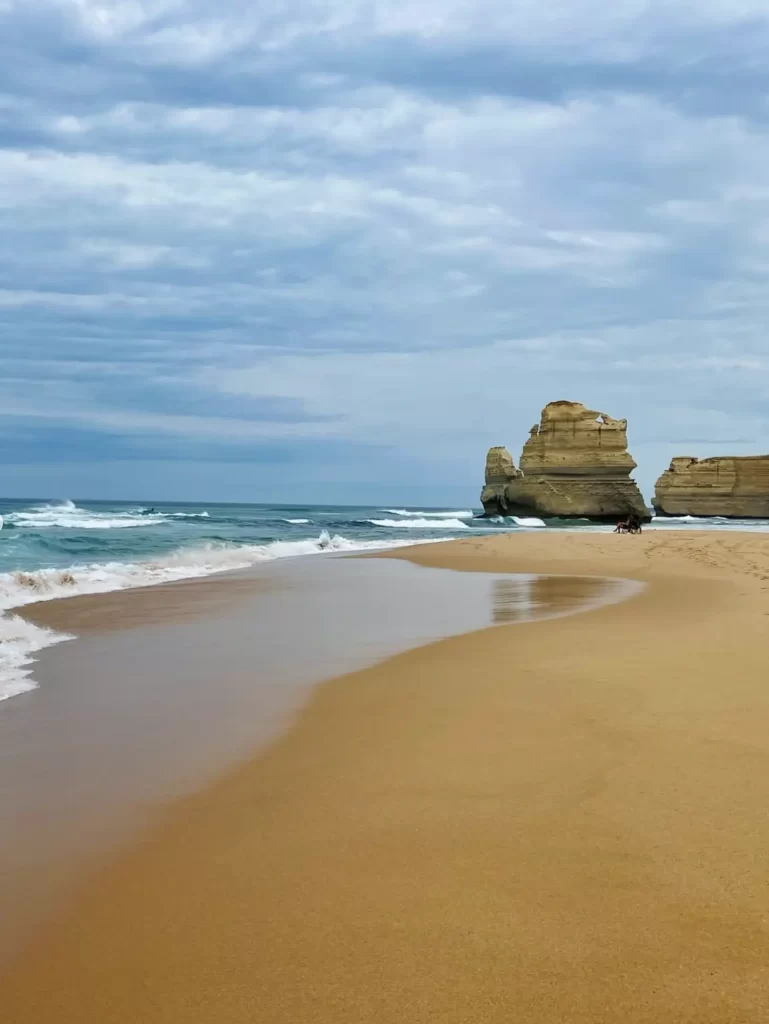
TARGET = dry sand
(561,821)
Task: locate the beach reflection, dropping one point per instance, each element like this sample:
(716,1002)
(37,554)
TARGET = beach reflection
(522,598)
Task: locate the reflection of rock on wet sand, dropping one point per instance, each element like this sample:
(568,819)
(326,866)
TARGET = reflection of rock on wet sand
(511,600)
(522,598)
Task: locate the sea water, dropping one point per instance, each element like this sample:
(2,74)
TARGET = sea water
(51,549)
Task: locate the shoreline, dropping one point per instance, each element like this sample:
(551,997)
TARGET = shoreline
(561,821)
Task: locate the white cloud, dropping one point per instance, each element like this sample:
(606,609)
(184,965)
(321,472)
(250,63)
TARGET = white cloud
(125,256)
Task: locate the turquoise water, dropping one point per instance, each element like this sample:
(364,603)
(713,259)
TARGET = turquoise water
(39,535)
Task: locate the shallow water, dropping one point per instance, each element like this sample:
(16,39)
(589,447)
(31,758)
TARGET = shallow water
(129,717)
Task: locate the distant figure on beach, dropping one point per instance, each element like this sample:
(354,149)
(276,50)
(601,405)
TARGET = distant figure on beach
(630,525)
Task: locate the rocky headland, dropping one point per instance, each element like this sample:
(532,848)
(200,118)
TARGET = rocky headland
(575,465)
(730,486)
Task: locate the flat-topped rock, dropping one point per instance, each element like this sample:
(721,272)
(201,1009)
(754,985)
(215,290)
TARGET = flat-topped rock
(735,486)
(575,464)
(571,440)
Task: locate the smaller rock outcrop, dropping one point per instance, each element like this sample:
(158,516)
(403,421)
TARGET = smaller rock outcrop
(732,486)
(575,464)
(500,471)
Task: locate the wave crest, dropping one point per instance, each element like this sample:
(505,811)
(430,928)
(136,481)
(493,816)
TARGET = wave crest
(420,524)
(69,516)
(461,514)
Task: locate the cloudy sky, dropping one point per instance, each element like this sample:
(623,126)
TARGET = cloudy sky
(331,250)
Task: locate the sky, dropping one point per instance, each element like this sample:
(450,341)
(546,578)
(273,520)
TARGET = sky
(332,250)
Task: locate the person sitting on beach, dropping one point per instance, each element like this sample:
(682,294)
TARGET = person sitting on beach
(630,525)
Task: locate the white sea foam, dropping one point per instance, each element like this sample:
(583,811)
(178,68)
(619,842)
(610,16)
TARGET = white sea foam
(691,519)
(528,521)
(20,588)
(461,514)
(296,522)
(712,523)
(420,524)
(19,640)
(67,515)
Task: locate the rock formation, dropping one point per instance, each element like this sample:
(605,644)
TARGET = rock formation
(734,486)
(575,464)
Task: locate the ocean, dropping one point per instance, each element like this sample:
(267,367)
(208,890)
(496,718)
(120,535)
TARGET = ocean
(52,549)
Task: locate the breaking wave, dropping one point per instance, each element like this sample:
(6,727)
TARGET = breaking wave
(297,522)
(67,515)
(462,514)
(690,519)
(420,524)
(527,522)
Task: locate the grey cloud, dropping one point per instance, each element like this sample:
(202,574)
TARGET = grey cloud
(395,229)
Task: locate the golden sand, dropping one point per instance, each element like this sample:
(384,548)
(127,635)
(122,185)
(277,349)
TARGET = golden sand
(561,822)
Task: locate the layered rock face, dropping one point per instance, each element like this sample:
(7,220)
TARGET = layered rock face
(575,464)
(733,486)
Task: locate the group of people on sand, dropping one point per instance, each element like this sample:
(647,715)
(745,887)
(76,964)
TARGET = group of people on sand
(631,524)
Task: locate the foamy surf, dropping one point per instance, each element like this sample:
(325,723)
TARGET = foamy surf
(709,523)
(69,516)
(528,522)
(461,514)
(420,524)
(20,640)
(690,519)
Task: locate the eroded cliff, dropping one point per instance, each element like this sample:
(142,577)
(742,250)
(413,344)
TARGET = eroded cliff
(732,486)
(575,464)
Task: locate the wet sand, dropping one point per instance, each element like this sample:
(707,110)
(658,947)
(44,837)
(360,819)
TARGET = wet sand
(166,688)
(563,820)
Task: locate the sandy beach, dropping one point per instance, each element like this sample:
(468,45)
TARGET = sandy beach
(554,821)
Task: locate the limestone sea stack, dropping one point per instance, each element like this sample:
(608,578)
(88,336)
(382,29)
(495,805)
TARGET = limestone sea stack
(733,486)
(574,465)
